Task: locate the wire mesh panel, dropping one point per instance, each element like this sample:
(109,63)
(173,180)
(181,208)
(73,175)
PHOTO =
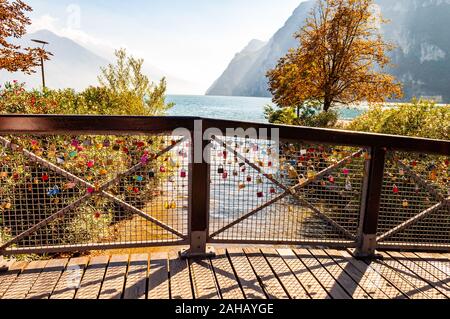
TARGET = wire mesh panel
(415,206)
(79,192)
(262,191)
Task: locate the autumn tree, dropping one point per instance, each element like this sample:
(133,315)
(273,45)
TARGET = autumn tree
(340,59)
(126,80)
(13,23)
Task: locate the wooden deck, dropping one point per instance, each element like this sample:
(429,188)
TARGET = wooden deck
(234,274)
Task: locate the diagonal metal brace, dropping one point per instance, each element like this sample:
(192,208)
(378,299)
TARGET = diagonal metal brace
(419,180)
(287,191)
(414,220)
(100,190)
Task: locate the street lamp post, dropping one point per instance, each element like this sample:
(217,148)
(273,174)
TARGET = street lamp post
(42,61)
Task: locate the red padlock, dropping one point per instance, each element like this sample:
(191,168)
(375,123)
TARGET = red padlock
(395,189)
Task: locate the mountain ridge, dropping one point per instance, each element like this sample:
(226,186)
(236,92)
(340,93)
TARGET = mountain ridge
(417,27)
(74,66)
(71,65)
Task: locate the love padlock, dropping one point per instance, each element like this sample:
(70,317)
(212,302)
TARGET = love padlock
(259,180)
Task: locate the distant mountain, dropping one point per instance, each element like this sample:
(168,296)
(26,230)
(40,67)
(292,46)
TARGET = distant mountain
(70,66)
(74,66)
(238,68)
(418,27)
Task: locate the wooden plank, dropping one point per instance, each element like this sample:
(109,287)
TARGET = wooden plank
(353,288)
(159,277)
(322,275)
(304,276)
(136,283)
(431,281)
(390,274)
(180,281)
(437,261)
(442,279)
(93,278)
(359,277)
(203,279)
(70,279)
(290,283)
(114,281)
(270,283)
(245,274)
(23,283)
(47,280)
(228,284)
(8,277)
(375,277)
(417,282)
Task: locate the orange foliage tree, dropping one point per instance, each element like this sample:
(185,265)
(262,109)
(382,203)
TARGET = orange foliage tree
(339,61)
(13,23)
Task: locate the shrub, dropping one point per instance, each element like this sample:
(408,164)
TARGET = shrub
(307,115)
(418,118)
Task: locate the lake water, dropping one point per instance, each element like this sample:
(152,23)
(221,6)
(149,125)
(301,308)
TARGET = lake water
(250,109)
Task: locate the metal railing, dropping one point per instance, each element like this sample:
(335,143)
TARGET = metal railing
(77,183)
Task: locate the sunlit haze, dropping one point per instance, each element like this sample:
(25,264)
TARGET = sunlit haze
(189,40)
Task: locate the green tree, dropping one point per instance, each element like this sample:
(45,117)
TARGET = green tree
(126,80)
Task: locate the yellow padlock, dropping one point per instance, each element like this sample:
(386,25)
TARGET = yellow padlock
(292,172)
(433,175)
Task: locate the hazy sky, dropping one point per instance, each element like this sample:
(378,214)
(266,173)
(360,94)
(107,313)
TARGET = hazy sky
(192,40)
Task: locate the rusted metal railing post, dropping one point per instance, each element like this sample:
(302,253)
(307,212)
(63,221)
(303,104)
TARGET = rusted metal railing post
(199,192)
(370,206)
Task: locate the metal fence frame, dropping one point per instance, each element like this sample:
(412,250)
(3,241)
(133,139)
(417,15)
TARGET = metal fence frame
(199,236)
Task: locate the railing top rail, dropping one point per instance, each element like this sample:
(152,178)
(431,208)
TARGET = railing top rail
(342,137)
(98,124)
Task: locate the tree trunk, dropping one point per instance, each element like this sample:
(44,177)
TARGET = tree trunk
(327,104)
